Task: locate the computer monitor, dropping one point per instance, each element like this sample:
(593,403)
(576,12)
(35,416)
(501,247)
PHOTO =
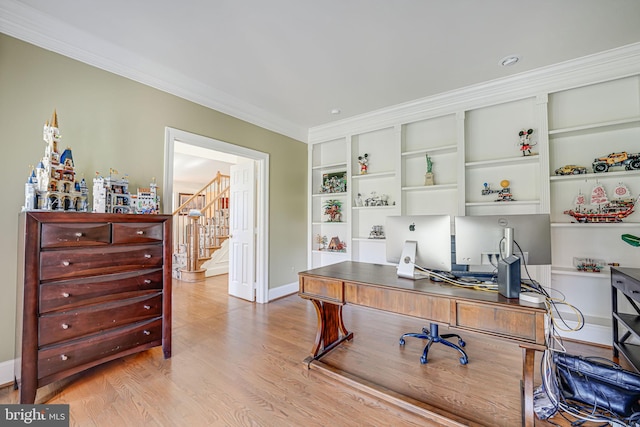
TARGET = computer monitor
(420,240)
(479,238)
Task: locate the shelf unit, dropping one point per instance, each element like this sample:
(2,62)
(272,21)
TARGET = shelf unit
(329,157)
(475,142)
(588,122)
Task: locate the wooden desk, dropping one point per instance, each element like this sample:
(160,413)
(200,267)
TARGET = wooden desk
(331,287)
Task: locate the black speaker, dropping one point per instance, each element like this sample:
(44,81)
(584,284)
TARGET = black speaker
(509,277)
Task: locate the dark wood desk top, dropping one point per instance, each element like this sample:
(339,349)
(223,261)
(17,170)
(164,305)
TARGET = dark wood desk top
(385,276)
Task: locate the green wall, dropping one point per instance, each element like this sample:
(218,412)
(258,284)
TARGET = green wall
(113,122)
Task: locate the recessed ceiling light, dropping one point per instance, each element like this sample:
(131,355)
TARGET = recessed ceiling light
(335,111)
(510,60)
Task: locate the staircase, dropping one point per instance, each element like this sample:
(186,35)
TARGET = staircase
(200,226)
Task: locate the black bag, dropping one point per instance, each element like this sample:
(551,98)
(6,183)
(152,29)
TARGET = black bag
(595,383)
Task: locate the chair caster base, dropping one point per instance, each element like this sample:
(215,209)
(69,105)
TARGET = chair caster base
(433,336)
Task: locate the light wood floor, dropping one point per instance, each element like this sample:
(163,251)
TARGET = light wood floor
(240,364)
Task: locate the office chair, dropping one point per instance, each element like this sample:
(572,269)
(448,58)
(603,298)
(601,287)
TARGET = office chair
(433,336)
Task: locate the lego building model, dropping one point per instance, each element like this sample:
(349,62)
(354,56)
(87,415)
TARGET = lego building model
(147,200)
(52,184)
(111,195)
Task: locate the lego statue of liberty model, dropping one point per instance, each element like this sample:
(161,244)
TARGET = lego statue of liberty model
(428,177)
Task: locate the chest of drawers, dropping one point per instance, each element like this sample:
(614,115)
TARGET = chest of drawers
(91,288)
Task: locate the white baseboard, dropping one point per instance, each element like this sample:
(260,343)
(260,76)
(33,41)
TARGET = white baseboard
(590,332)
(6,372)
(283,291)
(217,270)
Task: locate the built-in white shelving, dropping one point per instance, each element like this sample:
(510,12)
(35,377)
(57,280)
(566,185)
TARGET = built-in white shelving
(474,146)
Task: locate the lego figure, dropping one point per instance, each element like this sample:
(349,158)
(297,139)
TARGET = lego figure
(525,141)
(364,163)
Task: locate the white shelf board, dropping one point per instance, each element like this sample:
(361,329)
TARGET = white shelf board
(594,126)
(330,166)
(388,174)
(515,202)
(503,162)
(373,207)
(595,176)
(329,194)
(436,150)
(605,273)
(594,224)
(431,187)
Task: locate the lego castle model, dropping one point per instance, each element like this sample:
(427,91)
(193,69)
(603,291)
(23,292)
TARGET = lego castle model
(52,184)
(111,195)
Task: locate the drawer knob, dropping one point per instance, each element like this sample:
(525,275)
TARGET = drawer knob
(139,232)
(64,357)
(66,294)
(147,281)
(147,332)
(147,307)
(147,255)
(66,263)
(78,234)
(65,326)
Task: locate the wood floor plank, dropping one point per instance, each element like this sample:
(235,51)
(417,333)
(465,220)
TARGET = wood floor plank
(237,363)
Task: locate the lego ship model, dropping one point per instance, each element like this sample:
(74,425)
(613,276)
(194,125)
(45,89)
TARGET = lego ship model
(600,208)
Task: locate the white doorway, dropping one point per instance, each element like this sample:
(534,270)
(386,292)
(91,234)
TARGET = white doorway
(175,136)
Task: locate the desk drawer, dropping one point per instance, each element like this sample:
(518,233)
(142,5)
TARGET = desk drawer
(99,348)
(56,235)
(329,290)
(68,325)
(68,263)
(512,323)
(415,304)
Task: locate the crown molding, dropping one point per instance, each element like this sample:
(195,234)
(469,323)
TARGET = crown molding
(27,24)
(608,65)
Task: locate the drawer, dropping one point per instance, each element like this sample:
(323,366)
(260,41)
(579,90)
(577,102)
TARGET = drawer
(143,232)
(96,349)
(67,263)
(414,304)
(66,294)
(626,284)
(67,325)
(496,319)
(55,235)
(329,290)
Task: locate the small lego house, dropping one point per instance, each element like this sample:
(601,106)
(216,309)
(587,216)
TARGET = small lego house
(52,184)
(147,200)
(111,195)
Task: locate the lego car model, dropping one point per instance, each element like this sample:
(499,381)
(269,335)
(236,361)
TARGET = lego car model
(571,170)
(630,161)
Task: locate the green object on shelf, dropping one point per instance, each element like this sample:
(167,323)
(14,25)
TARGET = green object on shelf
(631,239)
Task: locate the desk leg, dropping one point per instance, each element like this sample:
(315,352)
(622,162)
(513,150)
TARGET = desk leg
(331,330)
(527,376)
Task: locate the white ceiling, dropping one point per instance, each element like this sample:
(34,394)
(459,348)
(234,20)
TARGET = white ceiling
(284,64)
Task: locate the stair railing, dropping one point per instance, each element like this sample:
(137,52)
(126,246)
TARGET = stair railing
(199,234)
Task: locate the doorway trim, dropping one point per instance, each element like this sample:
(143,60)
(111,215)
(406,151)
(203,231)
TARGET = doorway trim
(262,197)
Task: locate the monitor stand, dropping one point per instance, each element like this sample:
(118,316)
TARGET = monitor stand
(407,264)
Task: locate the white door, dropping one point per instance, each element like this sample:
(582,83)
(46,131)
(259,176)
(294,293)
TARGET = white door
(241,234)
